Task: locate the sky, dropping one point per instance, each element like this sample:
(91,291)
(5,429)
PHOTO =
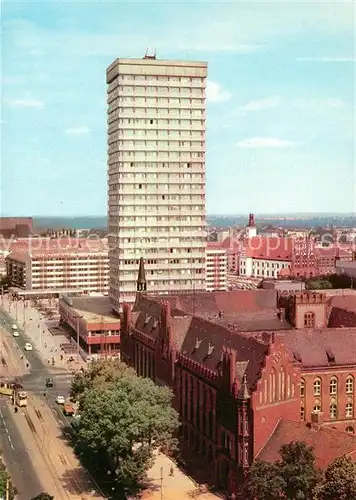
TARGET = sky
(280,100)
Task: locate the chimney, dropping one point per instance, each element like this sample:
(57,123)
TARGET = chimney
(316,420)
(166,314)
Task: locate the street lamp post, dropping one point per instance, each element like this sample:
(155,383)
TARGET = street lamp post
(78,337)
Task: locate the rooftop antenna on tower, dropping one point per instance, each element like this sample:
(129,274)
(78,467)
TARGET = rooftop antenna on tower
(149,55)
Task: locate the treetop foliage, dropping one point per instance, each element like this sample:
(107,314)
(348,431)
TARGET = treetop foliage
(123,419)
(295,477)
(99,373)
(340,480)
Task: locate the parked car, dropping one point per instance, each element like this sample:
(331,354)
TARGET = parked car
(60,400)
(15,333)
(68,409)
(14,327)
(28,346)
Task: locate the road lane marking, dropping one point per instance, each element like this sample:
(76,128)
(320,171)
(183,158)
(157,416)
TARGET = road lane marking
(12,446)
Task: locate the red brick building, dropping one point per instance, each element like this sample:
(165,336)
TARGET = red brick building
(242,375)
(20,227)
(310,260)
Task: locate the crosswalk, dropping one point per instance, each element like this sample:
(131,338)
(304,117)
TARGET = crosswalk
(37,383)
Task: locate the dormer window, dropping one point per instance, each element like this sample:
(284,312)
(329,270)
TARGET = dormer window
(210,349)
(197,344)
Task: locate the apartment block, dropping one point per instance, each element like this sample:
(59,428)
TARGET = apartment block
(156,167)
(216,269)
(59,266)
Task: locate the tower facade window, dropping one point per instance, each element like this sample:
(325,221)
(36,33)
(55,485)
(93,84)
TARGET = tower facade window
(309,320)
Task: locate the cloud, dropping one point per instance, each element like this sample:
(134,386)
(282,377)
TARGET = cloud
(216,93)
(26,103)
(261,104)
(320,104)
(263,142)
(327,59)
(82,130)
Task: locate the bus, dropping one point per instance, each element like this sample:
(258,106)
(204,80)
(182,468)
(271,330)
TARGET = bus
(20,397)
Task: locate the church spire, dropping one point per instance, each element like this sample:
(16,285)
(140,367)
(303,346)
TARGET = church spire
(251,220)
(244,392)
(141,278)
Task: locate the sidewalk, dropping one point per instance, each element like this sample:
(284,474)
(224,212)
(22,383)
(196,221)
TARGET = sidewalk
(177,486)
(35,326)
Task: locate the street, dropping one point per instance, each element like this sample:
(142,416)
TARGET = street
(17,457)
(31,440)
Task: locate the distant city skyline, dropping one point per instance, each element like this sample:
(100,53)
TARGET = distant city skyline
(280,125)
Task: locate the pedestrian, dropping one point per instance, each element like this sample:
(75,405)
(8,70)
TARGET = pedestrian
(171,471)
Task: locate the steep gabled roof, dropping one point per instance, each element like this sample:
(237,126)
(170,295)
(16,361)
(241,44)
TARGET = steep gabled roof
(312,346)
(212,338)
(342,311)
(328,443)
(269,248)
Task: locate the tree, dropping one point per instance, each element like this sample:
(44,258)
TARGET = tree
(318,284)
(263,482)
(122,422)
(43,496)
(340,480)
(297,469)
(99,373)
(5,482)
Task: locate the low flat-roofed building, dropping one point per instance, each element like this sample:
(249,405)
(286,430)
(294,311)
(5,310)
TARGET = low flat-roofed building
(47,263)
(92,321)
(284,286)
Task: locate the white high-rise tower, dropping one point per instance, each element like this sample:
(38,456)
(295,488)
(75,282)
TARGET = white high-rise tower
(156,166)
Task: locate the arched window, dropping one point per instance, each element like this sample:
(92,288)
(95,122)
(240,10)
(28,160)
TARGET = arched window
(302,388)
(266,389)
(317,387)
(349,410)
(272,386)
(282,389)
(317,408)
(350,429)
(333,385)
(350,385)
(333,410)
(309,320)
(302,412)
